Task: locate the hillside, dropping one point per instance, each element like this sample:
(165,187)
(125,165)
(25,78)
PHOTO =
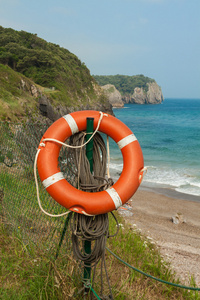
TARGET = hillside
(15,100)
(67,81)
(134,89)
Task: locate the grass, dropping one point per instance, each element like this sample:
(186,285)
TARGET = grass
(28,243)
(26,273)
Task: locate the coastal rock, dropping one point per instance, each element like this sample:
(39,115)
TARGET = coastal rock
(26,85)
(34,91)
(139,96)
(153,95)
(178,218)
(114,96)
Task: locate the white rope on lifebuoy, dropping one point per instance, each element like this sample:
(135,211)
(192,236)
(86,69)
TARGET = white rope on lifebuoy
(75,147)
(144,171)
(65,145)
(108,160)
(37,190)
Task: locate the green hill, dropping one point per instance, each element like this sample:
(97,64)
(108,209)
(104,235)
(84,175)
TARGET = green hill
(123,83)
(15,101)
(66,79)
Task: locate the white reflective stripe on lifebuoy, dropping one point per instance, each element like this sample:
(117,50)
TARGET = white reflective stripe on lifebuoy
(127,140)
(115,197)
(72,123)
(52,179)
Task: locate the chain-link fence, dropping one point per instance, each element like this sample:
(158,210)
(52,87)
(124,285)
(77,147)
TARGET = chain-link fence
(18,199)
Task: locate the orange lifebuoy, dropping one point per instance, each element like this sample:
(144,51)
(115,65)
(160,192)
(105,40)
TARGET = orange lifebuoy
(84,202)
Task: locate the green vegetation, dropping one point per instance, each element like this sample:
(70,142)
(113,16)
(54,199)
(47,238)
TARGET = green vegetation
(26,273)
(47,65)
(14,101)
(123,83)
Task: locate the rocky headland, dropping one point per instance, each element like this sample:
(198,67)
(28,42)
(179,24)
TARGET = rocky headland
(153,95)
(136,89)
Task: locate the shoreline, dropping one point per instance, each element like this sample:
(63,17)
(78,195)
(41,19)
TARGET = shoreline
(169,192)
(151,213)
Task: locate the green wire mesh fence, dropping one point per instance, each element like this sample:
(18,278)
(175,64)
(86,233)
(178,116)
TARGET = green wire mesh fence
(19,207)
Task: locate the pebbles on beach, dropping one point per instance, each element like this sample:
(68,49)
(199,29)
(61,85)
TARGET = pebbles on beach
(179,243)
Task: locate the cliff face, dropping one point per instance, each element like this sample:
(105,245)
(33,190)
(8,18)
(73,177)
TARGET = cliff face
(114,96)
(21,98)
(153,95)
(137,89)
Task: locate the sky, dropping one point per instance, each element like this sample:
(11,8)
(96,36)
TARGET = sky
(157,38)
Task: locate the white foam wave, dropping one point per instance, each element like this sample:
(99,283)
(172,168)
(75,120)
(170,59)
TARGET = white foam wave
(181,180)
(178,179)
(196,184)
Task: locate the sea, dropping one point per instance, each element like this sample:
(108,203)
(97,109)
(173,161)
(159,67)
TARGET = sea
(169,135)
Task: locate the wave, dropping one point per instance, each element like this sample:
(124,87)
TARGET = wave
(188,190)
(181,180)
(117,167)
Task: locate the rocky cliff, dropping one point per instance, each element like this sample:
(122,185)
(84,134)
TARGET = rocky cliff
(137,89)
(114,96)
(153,95)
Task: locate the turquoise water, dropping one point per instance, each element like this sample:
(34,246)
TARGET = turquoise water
(169,135)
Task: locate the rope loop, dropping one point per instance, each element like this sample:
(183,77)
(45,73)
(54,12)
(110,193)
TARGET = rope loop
(144,170)
(42,144)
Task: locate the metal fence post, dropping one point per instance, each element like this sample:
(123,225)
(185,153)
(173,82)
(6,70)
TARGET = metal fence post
(89,154)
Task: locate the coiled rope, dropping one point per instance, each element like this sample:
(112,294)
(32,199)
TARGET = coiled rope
(87,181)
(94,229)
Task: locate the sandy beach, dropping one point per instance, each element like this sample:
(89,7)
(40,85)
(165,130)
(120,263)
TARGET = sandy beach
(179,243)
